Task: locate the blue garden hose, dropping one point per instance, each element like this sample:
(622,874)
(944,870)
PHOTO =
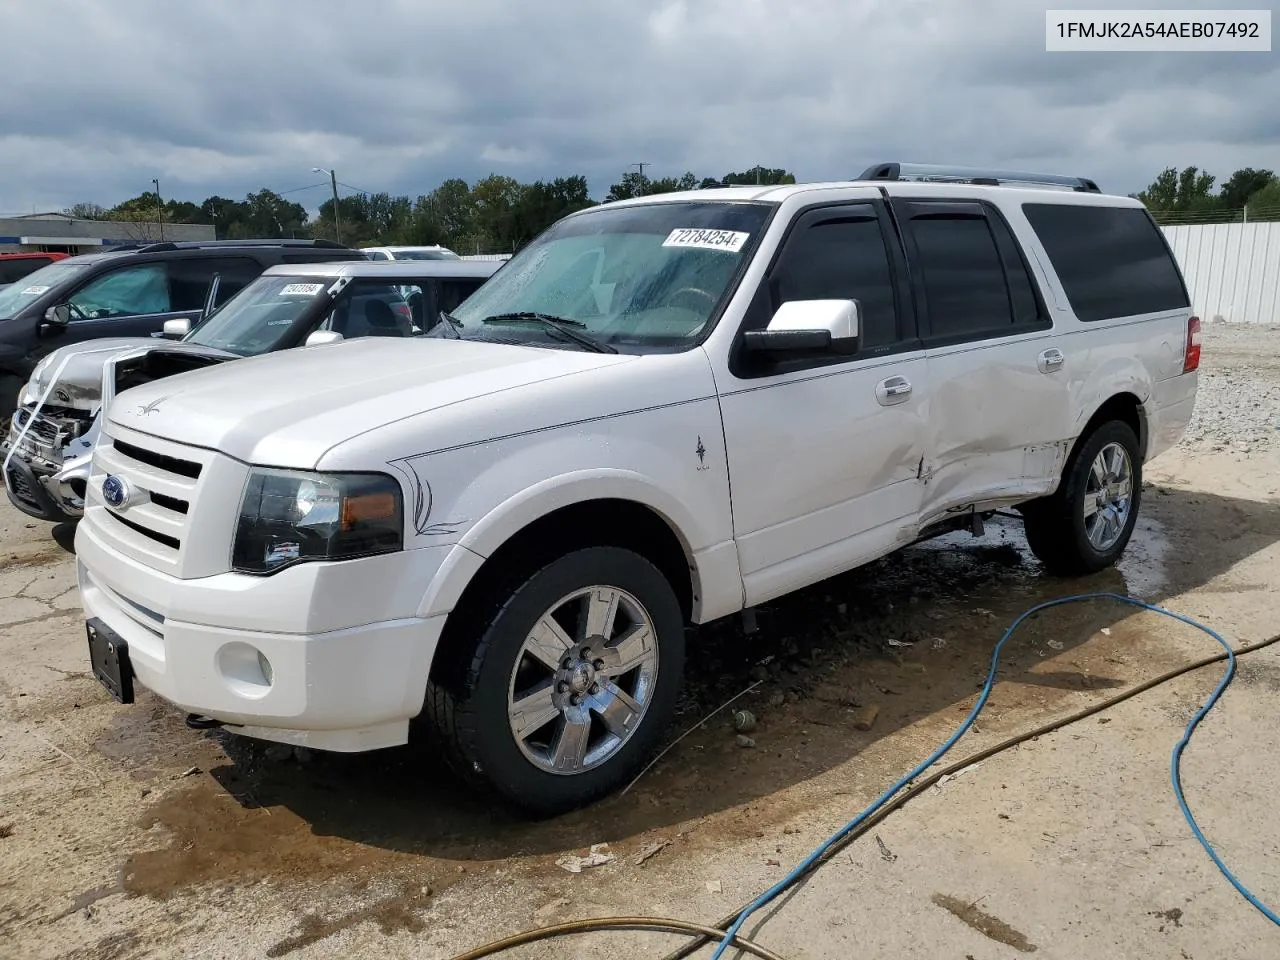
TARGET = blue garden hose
(1175,764)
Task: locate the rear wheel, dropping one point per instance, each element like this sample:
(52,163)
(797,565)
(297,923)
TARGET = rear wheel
(569,684)
(1086,525)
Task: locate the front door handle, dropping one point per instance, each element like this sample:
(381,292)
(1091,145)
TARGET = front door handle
(1050,360)
(893,390)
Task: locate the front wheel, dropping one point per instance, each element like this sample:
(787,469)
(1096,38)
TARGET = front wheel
(1086,525)
(569,684)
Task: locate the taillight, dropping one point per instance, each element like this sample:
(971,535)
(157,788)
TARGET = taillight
(1191,360)
(403,309)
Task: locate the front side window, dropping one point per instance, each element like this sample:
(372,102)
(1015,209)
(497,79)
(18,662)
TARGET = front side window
(1112,261)
(128,291)
(839,254)
(638,278)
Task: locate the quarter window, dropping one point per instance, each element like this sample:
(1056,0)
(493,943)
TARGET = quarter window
(1112,261)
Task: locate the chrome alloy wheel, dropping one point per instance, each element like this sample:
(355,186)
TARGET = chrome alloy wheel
(583,680)
(1108,497)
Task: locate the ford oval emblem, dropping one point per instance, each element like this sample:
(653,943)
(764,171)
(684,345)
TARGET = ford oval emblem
(115,491)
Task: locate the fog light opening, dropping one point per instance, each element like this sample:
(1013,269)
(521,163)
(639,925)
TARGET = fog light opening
(265,666)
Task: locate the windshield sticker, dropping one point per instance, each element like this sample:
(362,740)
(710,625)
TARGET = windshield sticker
(301,289)
(34,291)
(730,240)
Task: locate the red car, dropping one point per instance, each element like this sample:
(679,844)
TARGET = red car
(15,266)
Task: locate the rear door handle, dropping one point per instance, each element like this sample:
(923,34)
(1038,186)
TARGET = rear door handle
(893,390)
(1050,360)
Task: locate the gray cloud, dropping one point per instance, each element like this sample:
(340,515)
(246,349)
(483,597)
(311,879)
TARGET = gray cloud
(226,97)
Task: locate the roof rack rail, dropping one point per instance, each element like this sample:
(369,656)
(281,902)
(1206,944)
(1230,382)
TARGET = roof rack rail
(939,173)
(216,244)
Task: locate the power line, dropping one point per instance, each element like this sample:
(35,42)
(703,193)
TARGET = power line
(310,186)
(355,189)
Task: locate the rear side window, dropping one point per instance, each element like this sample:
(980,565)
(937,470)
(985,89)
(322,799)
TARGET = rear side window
(189,279)
(974,279)
(1112,261)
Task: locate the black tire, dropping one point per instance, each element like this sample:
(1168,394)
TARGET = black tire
(1055,526)
(10,384)
(467,708)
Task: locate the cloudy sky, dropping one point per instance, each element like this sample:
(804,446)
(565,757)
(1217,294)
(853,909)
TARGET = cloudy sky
(227,96)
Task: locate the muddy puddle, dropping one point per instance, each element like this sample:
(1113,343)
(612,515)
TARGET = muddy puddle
(909,636)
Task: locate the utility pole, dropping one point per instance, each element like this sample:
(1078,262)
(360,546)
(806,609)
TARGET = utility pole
(642,166)
(159,207)
(337,221)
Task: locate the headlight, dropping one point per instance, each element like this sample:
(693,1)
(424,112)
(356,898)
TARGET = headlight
(289,517)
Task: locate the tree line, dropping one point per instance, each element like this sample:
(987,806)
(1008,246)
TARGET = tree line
(1188,196)
(496,214)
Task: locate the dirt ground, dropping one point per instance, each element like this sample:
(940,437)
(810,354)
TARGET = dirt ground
(125,835)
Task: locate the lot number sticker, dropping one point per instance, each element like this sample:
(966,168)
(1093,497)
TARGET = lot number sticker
(728,240)
(301,289)
(35,291)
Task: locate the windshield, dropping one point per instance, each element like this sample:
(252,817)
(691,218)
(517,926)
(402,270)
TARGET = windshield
(425,255)
(645,277)
(274,312)
(261,315)
(33,286)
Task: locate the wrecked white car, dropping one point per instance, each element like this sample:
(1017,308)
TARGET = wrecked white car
(46,454)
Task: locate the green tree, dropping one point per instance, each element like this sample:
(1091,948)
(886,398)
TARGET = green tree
(762,175)
(631,185)
(1241,186)
(86,211)
(1188,191)
(1265,203)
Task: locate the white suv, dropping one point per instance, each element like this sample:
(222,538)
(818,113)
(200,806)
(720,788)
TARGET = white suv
(660,412)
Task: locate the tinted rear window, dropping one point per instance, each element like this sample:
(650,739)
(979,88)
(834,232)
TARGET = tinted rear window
(1112,261)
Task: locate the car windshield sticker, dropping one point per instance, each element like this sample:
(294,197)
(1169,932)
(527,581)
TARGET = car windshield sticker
(34,291)
(729,240)
(301,289)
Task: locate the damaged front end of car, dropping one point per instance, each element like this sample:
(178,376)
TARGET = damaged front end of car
(47,453)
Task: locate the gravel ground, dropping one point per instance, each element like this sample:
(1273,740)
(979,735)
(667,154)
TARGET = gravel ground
(126,836)
(1238,401)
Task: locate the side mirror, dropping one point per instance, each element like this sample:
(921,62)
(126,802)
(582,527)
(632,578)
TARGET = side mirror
(176,329)
(56,319)
(809,327)
(319,338)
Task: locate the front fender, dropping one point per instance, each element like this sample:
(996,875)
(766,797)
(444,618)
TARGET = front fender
(532,503)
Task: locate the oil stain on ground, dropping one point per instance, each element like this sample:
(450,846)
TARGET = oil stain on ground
(392,915)
(991,927)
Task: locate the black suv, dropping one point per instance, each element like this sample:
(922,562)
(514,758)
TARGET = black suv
(131,293)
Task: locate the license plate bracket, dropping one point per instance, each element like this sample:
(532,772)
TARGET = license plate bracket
(109,655)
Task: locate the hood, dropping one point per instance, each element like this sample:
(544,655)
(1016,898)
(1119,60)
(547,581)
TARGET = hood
(78,368)
(286,409)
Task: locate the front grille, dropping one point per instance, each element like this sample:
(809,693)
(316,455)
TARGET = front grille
(173,543)
(180,502)
(183,468)
(42,429)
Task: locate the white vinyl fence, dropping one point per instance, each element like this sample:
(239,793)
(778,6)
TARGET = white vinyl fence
(1232,269)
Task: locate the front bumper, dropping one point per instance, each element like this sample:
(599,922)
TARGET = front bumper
(331,685)
(41,480)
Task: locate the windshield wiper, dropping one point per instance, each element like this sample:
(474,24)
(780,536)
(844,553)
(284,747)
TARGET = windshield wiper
(559,324)
(452,325)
